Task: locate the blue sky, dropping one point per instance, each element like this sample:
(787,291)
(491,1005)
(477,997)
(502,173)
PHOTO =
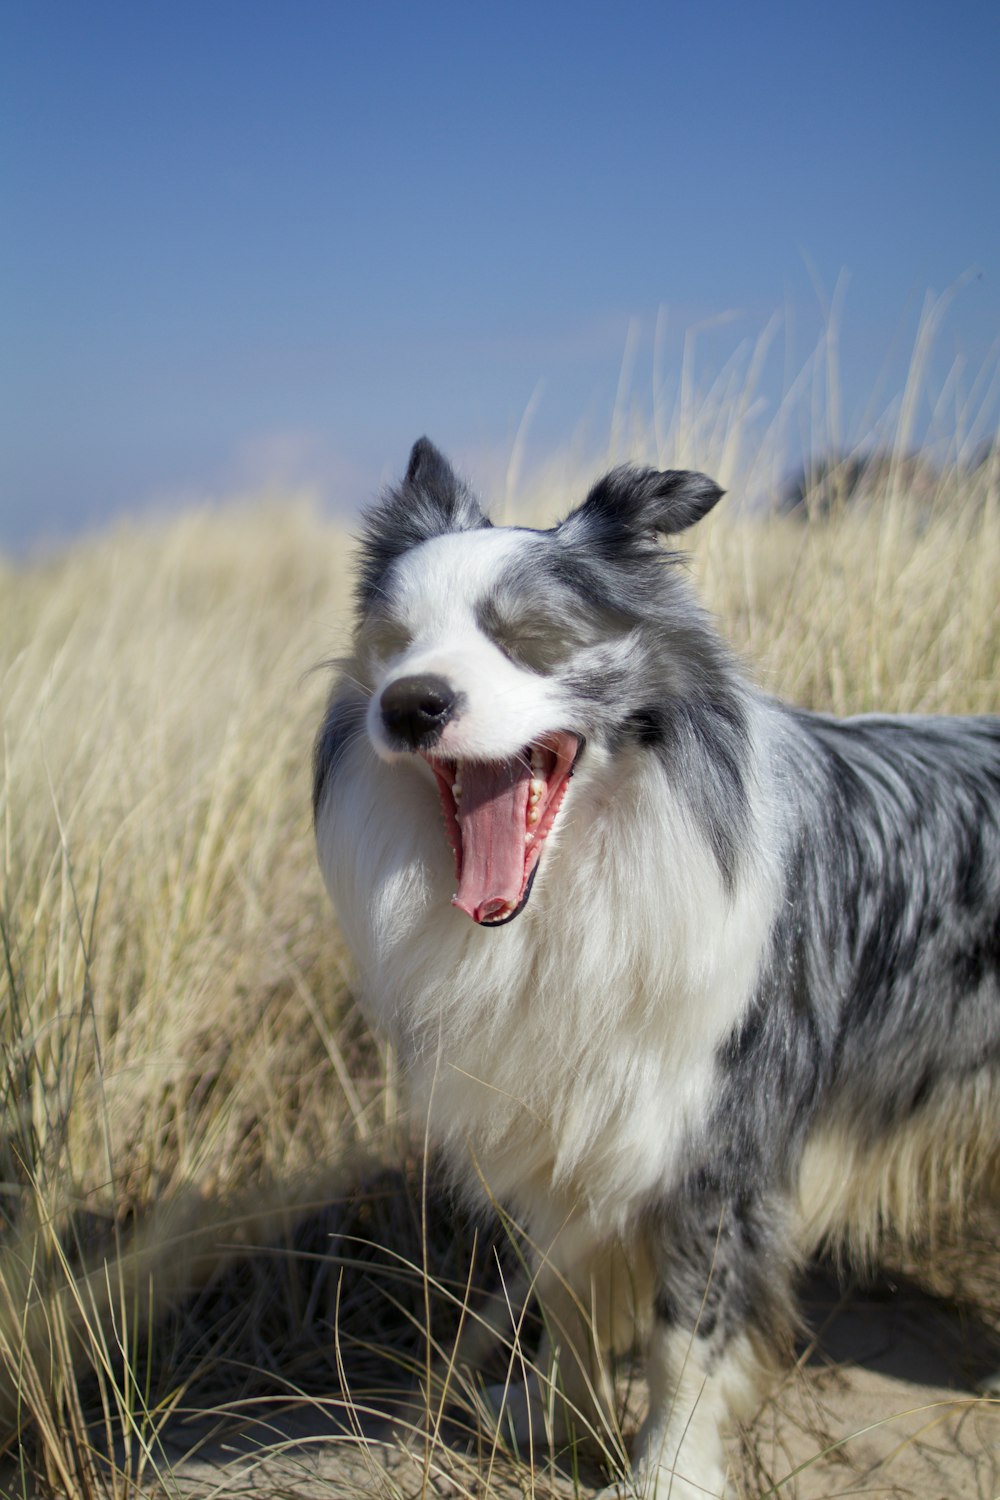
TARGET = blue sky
(278,241)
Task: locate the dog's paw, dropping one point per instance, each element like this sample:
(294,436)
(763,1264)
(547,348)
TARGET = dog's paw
(528,1415)
(408,1421)
(679,1460)
(665,1484)
(658,1481)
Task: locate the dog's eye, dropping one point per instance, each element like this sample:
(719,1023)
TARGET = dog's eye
(533,641)
(386,638)
(537,639)
(539,651)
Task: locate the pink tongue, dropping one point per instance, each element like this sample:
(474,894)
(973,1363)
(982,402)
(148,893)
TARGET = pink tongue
(492,816)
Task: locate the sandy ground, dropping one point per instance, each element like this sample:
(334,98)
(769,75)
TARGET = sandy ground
(892,1375)
(284,1359)
(886,1375)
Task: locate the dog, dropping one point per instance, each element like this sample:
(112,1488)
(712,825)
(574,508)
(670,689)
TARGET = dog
(691,981)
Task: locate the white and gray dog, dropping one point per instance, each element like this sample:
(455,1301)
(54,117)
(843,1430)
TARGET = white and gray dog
(691,981)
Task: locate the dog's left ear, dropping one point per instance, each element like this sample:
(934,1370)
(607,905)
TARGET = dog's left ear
(643,503)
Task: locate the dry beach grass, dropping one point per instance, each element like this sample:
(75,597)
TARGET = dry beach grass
(217,1238)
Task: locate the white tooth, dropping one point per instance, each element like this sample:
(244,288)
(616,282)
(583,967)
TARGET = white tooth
(456,791)
(536,788)
(529,838)
(537,761)
(532,814)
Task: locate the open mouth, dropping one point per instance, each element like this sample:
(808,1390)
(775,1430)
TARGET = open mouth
(498,815)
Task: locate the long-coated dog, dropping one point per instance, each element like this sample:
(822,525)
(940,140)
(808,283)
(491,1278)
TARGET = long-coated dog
(690,980)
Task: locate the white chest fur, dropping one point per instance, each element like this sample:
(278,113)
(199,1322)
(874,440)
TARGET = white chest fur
(572,1052)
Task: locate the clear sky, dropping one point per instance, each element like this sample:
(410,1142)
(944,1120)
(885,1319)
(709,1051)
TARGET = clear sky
(246,241)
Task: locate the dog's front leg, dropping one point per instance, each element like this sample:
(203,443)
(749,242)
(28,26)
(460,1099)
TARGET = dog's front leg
(566,1392)
(722,1276)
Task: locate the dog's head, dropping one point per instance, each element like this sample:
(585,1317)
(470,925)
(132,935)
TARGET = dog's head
(499,654)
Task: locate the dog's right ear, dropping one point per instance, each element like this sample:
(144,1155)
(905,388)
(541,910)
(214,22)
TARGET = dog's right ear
(430,501)
(434,491)
(429,466)
(637,505)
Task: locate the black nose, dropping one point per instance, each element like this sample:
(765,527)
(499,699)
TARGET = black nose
(416,709)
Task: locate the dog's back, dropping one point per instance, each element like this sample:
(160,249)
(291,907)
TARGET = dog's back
(892,930)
